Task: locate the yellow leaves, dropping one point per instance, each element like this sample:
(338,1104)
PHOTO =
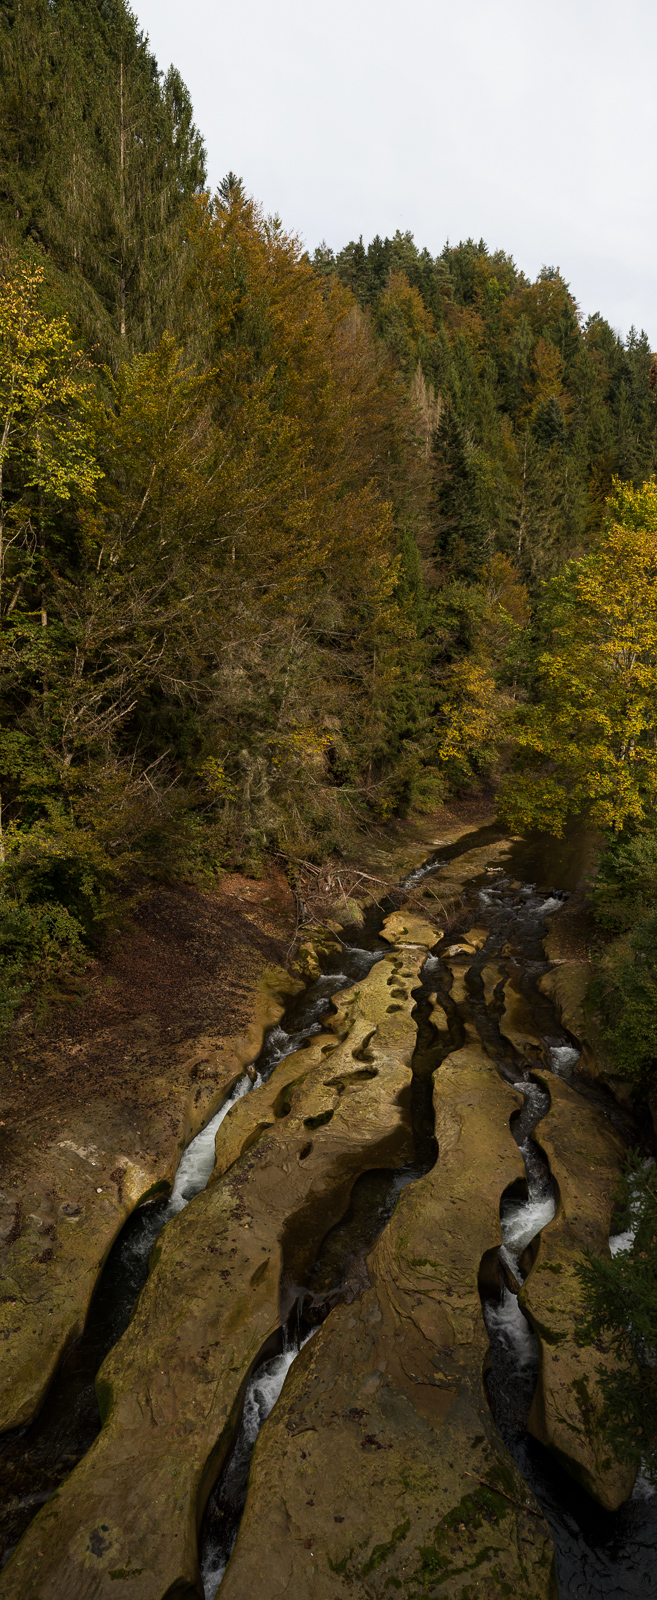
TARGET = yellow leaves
(547,375)
(470,715)
(300,743)
(507,597)
(45,395)
(403,302)
(591,742)
(472,329)
(216,780)
(153,441)
(302,404)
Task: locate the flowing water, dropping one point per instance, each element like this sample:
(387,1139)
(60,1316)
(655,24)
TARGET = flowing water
(36,1458)
(224,1511)
(599,1556)
(339,1273)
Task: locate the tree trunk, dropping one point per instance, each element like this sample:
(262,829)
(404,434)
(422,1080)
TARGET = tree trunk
(122,161)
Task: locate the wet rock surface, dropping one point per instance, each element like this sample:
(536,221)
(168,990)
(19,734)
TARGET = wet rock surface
(394,1375)
(171,1389)
(517,1022)
(407,928)
(566,985)
(585,1156)
(380,1468)
(371,1024)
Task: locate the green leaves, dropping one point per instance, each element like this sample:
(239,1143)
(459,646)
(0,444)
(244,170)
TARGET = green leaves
(99,161)
(621,1305)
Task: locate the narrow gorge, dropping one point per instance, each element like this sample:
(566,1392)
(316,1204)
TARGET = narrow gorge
(343,1355)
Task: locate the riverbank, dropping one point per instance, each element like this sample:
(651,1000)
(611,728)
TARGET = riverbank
(99,1098)
(453,965)
(98,1102)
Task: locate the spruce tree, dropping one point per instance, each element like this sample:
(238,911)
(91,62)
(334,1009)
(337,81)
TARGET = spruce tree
(99,159)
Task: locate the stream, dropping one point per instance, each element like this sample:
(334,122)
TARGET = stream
(600,1556)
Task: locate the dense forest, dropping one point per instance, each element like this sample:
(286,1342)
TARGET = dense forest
(292,544)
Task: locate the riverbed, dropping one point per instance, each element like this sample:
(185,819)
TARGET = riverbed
(455,995)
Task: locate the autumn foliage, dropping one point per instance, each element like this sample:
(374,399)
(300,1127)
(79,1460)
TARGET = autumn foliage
(587,740)
(288,545)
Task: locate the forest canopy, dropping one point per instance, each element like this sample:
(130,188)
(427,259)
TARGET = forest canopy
(292,544)
(288,542)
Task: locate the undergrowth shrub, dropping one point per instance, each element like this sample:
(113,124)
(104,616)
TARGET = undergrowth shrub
(621,1304)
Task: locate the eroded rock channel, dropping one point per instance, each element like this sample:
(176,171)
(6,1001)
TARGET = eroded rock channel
(353,1366)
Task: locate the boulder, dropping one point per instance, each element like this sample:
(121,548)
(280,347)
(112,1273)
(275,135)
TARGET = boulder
(405,928)
(347,913)
(306,961)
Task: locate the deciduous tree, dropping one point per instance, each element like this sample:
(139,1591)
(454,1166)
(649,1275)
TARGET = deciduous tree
(588,742)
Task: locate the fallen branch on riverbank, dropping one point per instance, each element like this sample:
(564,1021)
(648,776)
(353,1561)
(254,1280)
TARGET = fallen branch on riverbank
(492,1487)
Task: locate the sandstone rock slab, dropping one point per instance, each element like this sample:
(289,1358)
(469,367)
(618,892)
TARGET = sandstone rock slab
(224,1275)
(380,1470)
(517,1022)
(586,1156)
(406,928)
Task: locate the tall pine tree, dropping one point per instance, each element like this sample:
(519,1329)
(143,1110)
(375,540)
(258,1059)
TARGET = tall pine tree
(99,158)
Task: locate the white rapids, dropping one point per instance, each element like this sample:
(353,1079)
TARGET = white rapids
(522,1219)
(506,1321)
(197,1161)
(262,1393)
(563,1056)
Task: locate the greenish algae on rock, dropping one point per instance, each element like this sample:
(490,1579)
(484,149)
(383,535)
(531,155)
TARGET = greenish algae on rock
(79,1190)
(380,1470)
(586,1156)
(171,1389)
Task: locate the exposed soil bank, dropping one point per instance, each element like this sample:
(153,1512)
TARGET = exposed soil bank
(97,1106)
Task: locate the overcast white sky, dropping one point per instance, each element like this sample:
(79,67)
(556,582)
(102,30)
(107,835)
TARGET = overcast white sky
(528,122)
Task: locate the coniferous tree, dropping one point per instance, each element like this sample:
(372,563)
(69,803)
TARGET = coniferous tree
(99,160)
